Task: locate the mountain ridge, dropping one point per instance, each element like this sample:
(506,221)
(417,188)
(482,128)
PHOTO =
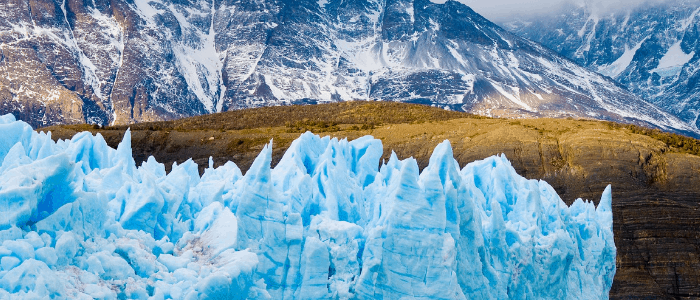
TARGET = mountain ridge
(160,60)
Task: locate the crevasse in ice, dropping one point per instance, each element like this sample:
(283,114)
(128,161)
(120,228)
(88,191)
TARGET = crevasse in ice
(80,220)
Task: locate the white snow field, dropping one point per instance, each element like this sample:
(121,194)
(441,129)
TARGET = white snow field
(80,220)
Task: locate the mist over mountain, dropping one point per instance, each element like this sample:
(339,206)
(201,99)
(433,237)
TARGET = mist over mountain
(653,50)
(503,11)
(123,62)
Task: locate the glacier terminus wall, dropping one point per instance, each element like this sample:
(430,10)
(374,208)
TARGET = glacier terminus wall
(80,220)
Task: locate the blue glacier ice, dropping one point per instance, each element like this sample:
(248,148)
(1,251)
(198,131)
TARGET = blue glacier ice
(80,220)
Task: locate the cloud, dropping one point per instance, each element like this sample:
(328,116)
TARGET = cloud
(499,10)
(503,10)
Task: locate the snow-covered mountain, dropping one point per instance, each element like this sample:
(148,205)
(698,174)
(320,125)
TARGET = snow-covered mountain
(121,62)
(652,49)
(81,221)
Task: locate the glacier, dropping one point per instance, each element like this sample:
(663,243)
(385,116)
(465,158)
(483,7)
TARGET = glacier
(82,221)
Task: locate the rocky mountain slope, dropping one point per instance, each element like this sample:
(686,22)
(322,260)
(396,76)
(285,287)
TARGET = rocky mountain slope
(652,49)
(655,180)
(119,62)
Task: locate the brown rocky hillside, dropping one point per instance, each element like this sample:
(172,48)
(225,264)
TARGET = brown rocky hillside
(655,176)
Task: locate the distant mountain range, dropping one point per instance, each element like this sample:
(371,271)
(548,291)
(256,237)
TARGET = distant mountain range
(119,62)
(653,49)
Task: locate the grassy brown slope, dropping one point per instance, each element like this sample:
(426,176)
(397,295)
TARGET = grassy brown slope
(655,179)
(357,112)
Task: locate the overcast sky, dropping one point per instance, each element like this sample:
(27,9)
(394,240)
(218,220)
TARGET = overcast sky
(502,10)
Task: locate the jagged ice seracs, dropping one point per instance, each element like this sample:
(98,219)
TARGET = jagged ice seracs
(80,220)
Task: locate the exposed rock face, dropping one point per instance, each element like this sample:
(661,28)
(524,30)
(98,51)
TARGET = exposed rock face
(656,189)
(652,49)
(88,61)
(121,62)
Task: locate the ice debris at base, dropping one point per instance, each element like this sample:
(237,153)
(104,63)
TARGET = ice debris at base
(81,221)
